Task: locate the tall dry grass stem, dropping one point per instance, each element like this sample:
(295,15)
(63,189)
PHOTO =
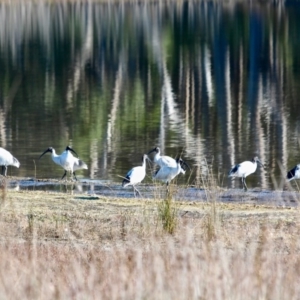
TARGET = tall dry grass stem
(209,183)
(34,168)
(3,187)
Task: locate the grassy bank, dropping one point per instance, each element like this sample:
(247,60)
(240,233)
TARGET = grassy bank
(56,245)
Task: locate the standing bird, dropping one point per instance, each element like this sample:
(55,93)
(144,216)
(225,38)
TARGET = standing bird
(244,169)
(294,173)
(6,159)
(135,176)
(167,173)
(164,160)
(66,160)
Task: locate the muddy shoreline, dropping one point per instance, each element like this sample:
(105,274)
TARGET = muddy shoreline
(94,188)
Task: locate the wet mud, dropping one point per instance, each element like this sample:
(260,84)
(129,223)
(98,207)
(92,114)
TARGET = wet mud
(91,189)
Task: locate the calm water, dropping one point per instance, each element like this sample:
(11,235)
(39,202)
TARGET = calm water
(216,83)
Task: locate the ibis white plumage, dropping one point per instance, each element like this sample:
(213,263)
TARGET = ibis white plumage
(6,159)
(167,173)
(244,169)
(135,176)
(293,173)
(66,160)
(164,160)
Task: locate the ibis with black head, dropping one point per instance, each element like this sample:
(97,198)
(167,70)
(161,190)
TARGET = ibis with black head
(244,169)
(135,176)
(164,160)
(66,160)
(168,173)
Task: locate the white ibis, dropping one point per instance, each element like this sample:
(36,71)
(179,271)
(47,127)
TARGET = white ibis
(164,160)
(244,169)
(135,176)
(294,173)
(167,173)
(6,159)
(66,160)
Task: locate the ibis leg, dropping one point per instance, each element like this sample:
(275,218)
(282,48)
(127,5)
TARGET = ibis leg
(64,175)
(168,189)
(4,170)
(244,183)
(136,190)
(167,185)
(75,176)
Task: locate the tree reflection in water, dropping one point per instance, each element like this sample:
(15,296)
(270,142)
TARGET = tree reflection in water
(215,82)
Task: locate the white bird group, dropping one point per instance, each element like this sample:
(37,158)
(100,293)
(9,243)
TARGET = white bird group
(169,169)
(66,160)
(246,168)
(166,161)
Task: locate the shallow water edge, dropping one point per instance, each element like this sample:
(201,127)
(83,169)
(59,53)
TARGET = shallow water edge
(91,189)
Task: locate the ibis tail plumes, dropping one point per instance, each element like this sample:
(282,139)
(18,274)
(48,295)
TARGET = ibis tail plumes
(6,159)
(66,160)
(293,173)
(135,176)
(167,173)
(244,169)
(164,160)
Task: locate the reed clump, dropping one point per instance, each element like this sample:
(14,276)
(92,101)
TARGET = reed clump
(168,213)
(209,183)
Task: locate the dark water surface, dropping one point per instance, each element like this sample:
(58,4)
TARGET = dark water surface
(217,83)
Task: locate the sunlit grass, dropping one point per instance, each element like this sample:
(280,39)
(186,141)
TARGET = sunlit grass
(58,245)
(3,189)
(168,213)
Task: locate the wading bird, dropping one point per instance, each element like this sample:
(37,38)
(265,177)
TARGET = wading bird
(67,161)
(164,160)
(166,173)
(294,173)
(6,159)
(244,169)
(135,176)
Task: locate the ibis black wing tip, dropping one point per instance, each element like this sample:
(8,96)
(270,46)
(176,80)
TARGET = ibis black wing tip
(291,174)
(126,181)
(233,170)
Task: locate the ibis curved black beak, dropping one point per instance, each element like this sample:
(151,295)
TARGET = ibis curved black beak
(183,163)
(70,149)
(153,150)
(48,150)
(260,163)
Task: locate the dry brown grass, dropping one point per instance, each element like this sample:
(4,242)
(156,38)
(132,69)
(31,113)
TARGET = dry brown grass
(3,188)
(60,246)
